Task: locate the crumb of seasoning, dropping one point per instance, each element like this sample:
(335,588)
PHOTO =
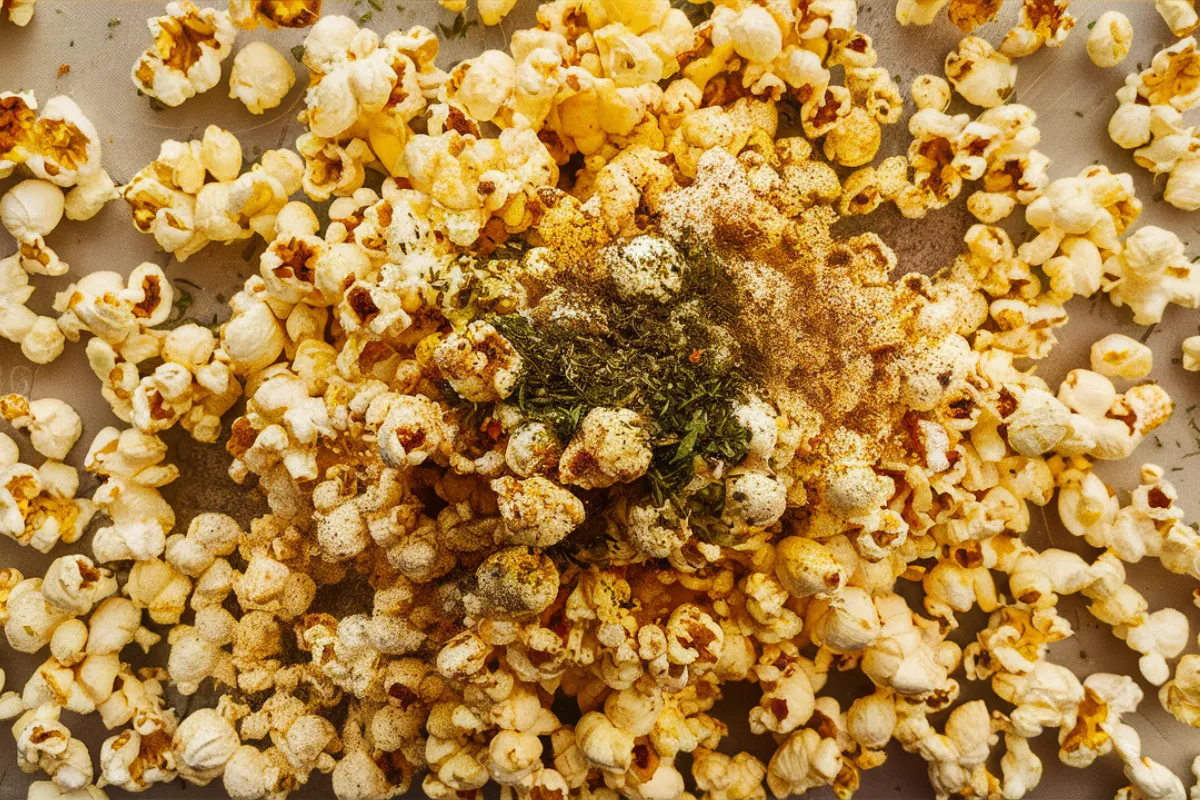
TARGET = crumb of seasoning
(63,69)
(1079,114)
(298,52)
(376,4)
(112,24)
(1083,655)
(366,17)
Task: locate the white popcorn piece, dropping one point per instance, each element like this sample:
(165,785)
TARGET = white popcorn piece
(1191,354)
(39,337)
(203,743)
(983,76)
(493,12)
(1180,15)
(30,211)
(261,77)
(930,91)
(189,44)
(53,426)
(20,12)
(1151,271)
(1118,356)
(1109,39)
(918,12)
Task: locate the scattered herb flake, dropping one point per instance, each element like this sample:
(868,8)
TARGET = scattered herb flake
(399,8)
(1079,114)
(365,18)
(183,302)
(459,29)
(298,52)
(376,4)
(114,22)
(1092,24)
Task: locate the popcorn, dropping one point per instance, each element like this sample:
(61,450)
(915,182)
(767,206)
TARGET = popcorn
(609,447)
(172,199)
(29,212)
(480,364)
(930,91)
(53,426)
(918,12)
(203,743)
(1150,271)
(1191,354)
(20,12)
(1180,15)
(185,58)
(260,77)
(1109,40)
(1148,119)
(492,12)
(40,339)
(272,14)
(1039,24)
(1179,695)
(1118,356)
(397,430)
(981,75)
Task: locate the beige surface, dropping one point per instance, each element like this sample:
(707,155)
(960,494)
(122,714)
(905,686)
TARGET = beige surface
(1073,100)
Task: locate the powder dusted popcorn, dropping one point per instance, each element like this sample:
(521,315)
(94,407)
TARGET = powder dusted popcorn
(184,59)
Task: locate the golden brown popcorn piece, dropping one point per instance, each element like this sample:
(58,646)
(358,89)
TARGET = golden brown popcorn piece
(249,14)
(970,14)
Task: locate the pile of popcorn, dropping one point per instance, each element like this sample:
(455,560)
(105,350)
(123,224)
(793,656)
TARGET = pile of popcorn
(529,613)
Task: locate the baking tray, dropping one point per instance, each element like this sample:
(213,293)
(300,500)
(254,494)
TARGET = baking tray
(100,39)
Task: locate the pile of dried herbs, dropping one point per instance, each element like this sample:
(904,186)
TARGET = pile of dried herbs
(673,363)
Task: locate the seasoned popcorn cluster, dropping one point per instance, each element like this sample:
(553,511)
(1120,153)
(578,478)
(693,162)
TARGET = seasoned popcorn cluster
(482,564)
